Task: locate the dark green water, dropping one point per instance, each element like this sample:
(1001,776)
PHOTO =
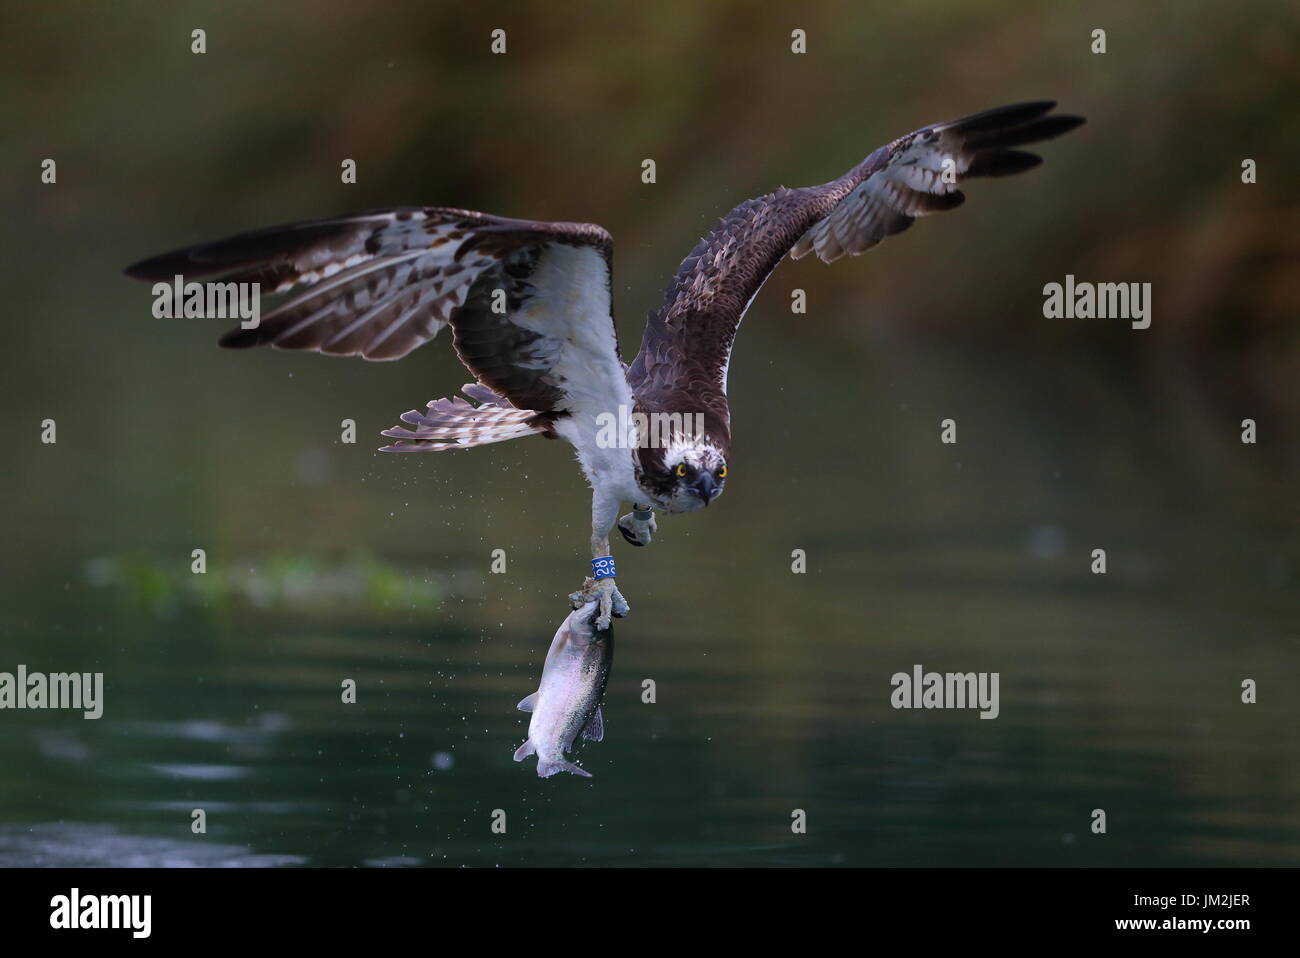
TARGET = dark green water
(326,562)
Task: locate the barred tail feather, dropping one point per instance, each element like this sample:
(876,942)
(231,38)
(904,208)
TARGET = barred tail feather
(456,424)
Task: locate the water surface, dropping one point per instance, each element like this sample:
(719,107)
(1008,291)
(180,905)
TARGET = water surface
(1118,691)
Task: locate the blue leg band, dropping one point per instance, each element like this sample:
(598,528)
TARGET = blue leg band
(603,568)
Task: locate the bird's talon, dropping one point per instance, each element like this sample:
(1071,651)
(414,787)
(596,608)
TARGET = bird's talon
(612,603)
(583,595)
(606,608)
(638,532)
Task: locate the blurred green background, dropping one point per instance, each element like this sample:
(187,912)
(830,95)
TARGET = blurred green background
(331,561)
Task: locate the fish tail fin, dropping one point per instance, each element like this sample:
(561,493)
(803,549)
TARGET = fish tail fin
(528,748)
(545,769)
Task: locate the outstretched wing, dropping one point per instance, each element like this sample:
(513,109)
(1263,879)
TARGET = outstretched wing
(918,174)
(687,343)
(528,302)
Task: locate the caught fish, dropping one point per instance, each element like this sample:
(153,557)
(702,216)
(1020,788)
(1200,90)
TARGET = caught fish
(567,702)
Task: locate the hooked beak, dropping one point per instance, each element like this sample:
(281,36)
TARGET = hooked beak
(704,487)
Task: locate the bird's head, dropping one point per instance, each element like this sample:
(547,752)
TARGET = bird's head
(688,477)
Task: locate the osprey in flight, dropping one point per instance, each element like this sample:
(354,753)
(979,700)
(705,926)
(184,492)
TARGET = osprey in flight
(528,304)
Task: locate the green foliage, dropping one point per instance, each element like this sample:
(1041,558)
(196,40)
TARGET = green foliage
(307,585)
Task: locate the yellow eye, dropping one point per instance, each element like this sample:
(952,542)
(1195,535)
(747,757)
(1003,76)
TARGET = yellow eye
(722,473)
(681,470)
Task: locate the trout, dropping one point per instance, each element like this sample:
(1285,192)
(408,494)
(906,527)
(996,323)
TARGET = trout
(567,702)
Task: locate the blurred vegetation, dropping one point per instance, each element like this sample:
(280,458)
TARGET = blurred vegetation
(169,443)
(304,585)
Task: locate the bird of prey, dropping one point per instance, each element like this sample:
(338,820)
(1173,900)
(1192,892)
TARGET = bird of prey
(528,304)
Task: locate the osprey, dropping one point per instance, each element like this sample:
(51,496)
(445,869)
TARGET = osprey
(528,304)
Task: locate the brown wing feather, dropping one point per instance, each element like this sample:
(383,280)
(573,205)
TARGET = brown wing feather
(921,173)
(686,349)
(380,284)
